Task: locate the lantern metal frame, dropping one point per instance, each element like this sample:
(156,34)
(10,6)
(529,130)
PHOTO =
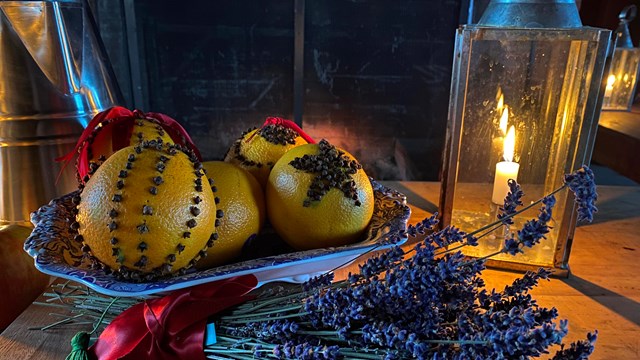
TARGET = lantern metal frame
(588,96)
(624,74)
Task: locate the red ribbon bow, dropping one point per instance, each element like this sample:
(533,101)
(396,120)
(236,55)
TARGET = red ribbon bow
(171,327)
(122,121)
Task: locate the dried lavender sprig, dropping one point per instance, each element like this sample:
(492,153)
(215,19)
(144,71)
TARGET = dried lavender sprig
(472,241)
(513,334)
(582,183)
(527,282)
(274,300)
(531,233)
(259,315)
(423,226)
(533,230)
(318,282)
(578,350)
(377,264)
(289,316)
(512,200)
(448,236)
(364,253)
(532,204)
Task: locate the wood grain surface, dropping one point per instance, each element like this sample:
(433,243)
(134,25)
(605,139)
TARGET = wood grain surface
(603,291)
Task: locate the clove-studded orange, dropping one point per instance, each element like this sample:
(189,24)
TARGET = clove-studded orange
(148,211)
(258,150)
(242,203)
(117,128)
(319,196)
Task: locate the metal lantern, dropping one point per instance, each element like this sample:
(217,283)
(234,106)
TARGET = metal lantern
(623,75)
(524,105)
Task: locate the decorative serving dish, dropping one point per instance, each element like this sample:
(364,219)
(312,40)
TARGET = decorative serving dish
(57,253)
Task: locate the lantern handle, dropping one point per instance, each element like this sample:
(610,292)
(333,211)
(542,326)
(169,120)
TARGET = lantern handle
(628,14)
(622,32)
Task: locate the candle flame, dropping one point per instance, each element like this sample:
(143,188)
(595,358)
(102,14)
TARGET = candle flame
(509,144)
(500,102)
(625,78)
(610,80)
(504,119)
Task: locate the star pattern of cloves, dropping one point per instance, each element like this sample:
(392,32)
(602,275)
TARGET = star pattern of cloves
(332,169)
(278,134)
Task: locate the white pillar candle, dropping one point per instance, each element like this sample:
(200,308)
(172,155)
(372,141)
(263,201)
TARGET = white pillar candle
(505,170)
(609,88)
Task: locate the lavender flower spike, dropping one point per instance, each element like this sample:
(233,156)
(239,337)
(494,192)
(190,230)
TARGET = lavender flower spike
(423,226)
(511,202)
(533,230)
(305,351)
(318,282)
(582,183)
(579,350)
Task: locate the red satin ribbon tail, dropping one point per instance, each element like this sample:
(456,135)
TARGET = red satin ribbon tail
(171,327)
(126,332)
(66,159)
(291,125)
(116,111)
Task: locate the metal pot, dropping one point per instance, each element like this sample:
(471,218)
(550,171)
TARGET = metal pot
(54,77)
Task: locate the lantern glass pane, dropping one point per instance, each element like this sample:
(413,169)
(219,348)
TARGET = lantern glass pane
(543,79)
(622,79)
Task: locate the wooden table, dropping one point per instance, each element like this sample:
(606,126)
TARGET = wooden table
(618,142)
(602,293)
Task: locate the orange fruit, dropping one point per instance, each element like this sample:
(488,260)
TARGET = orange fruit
(147,211)
(318,196)
(242,203)
(258,150)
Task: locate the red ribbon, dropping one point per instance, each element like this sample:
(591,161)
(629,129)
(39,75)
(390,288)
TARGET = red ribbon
(171,327)
(83,159)
(291,125)
(122,121)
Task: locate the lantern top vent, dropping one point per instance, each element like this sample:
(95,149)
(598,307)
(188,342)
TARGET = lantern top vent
(538,14)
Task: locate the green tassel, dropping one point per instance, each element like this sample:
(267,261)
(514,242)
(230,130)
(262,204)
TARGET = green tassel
(80,341)
(79,347)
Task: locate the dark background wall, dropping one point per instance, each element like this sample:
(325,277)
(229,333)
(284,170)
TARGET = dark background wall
(218,68)
(376,81)
(372,77)
(604,13)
